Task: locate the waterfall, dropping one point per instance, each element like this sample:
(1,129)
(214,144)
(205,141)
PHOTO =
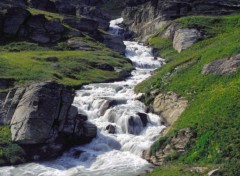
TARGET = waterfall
(125,129)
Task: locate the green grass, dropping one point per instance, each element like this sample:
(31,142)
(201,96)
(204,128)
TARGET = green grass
(9,153)
(48,15)
(27,63)
(214,100)
(173,170)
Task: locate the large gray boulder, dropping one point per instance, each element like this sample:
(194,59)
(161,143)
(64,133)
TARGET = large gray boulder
(42,108)
(185,38)
(222,66)
(39,29)
(13,20)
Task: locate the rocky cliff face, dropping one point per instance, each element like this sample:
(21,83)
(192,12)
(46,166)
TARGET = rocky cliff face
(42,116)
(145,19)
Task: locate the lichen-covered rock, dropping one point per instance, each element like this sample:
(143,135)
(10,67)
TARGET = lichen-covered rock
(222,66)
(185,38)
(42,108)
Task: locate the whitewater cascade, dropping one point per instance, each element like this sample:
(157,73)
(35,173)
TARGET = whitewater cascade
(124,127)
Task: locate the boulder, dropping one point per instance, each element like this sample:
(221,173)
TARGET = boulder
(169,107)
(39,29)
(175,144)
(46,5)
(185,38)
(95,13)
(75,44)
(42,108)
(222,66)
(6,83)
(111,129)
(13,20)
(114,42)
(144,118)
(82,24)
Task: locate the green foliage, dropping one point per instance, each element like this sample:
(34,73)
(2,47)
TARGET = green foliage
(9,153)
(28,63)
(172,169)
(48,15)
(214,104)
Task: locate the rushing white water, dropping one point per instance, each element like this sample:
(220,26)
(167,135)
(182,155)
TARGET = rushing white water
(115,104)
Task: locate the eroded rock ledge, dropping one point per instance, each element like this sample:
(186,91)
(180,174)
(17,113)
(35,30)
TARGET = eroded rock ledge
(43,120)
(169,107)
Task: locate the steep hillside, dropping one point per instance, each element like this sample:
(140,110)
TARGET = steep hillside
(212,91)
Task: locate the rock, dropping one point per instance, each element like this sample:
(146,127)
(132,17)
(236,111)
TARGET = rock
(95,13)
(144,18)
(222,66)
(82,24)
(169,106)
(46,5)
(144,118)
(104,66)
(52,59)
(89,130)
(39,29)
(114,42)
(13,20)
(6,83)
(42,108)
(64,7)
(173,145)
(185,38)
(214,172)
(111,129)
(77,44)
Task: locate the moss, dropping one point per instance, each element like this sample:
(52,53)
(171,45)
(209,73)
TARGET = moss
(10,153)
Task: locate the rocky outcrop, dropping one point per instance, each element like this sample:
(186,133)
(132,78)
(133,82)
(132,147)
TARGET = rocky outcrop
(172,146)
(39,29)
(95,13)
(82,24)
(145,19)
(185,38)
(222,66)
(169,107)
(114,42)
(42,119)
(13,20)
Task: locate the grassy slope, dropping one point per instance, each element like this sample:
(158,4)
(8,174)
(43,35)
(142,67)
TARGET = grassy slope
(73,67)
(214,99)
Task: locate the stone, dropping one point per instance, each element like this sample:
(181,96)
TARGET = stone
(46,5)
(175,144)
(111,129)
(40,30)
(214,172)
(42,108)
(222,66)
(82,24)
(6,83)
(144,118)
(185,38)
(113,42)
(77,44)
(169,107)
(13,20)
(95,13)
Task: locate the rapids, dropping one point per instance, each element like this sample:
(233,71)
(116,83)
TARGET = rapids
(112,107)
